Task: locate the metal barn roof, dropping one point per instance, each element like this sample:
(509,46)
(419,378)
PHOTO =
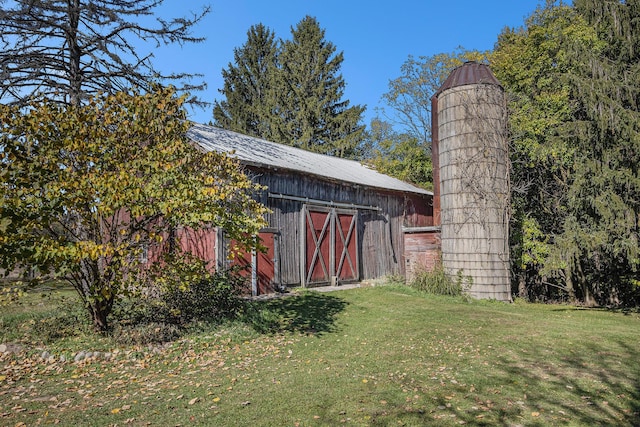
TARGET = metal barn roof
(262,153)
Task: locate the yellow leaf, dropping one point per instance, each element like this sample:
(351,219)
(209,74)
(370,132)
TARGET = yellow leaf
(115,410)
(365,381)
(535,414)
(3,377)
(216,399)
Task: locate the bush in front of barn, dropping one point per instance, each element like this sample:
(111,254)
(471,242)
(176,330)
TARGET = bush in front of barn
(438,282)
(185,294)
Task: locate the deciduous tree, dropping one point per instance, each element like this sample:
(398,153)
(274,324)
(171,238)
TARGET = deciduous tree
(84,190)
(409,95)
(399,155)
(533,64)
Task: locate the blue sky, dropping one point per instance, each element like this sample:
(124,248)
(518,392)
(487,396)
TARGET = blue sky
(376,36)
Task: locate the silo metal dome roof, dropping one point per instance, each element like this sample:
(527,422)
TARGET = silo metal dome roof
(469,73)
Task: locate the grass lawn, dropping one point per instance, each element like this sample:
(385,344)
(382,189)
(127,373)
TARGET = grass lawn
(381,356)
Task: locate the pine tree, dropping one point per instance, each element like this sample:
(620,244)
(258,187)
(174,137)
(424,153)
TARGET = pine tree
(290,92)
(248,86)
(311,112)
(605,196)
(68,50)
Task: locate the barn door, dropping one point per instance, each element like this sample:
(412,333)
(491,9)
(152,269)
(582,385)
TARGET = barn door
(262,269)
(329,245)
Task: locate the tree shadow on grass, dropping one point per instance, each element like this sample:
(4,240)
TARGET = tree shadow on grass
(589,383)
(309,313)
(579,390)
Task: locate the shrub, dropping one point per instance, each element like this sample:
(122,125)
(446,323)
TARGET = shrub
(182,290)
(438,282)
(188,294)
(214,297)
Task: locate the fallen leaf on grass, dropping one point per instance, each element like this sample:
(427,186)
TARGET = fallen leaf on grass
(194,400)
(216,399)
(535,414)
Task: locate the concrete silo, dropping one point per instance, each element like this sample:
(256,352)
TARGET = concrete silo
(471,179)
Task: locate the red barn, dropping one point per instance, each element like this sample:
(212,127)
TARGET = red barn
(333,220)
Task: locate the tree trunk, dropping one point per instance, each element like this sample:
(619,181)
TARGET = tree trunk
(100,310)
(522,287)
(100,321)
(75,54)
(570,286)
(584,286)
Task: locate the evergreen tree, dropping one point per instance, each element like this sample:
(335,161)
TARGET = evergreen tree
(311,113)
(68,50)
(248,86)
(604,201)
(573,75)
(291,92)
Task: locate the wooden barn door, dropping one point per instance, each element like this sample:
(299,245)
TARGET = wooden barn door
(329,245)
(267,264)
(261,269)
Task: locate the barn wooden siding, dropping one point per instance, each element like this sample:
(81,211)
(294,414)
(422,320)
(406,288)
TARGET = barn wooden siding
(381,218)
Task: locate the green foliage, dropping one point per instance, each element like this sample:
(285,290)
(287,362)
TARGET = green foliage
(399,155)
(249,86)
(181,294)
(575,121)
(406,154)
(211,296)
(181,290)
(438,282)
(291,92)
(85,190)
